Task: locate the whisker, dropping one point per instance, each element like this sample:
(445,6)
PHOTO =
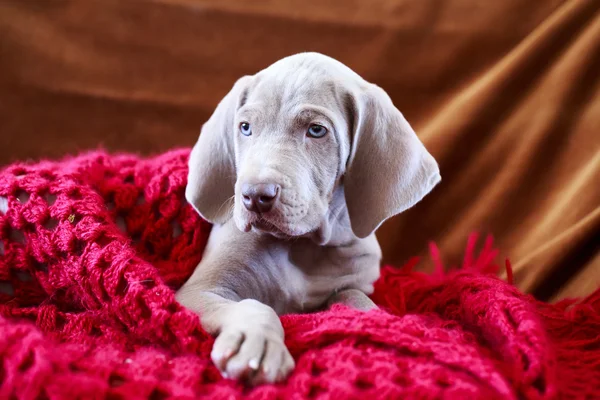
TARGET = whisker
(225,203)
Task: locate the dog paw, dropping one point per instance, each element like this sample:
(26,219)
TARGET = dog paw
(250,344)
(252,356)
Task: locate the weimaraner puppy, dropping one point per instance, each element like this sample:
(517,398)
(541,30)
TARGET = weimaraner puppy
(296,169)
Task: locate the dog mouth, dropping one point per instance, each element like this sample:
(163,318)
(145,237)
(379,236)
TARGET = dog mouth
(262,224)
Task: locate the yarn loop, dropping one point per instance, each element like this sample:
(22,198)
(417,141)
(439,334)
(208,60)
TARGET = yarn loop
(93,247)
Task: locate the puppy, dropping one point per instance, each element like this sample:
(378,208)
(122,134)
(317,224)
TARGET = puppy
(296,169)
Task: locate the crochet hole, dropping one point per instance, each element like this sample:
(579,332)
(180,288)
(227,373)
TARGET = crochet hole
(210,375)
(315,390)
(120,221)
(173,308)
(3,205)
(539,384)
(177,230)
(156,212)
(74,194)
(7,289)
(27,362)
(149,247)
(1,248)
(316,369)
(74,368)
(510,319)
(38,266)
(148,283)
(22,196)
(524,360)
(115,380)
(23,276)
(473,290)
(129,179)
(47,175)
(50,224)
(158,394)
(103,241)
(443,382)
(61,321)
(145,312)
(136,238)
(122,326)
(95,331)
(140,200)
(42,395)
(17,236)
(363,383)
(122,285)
(79,247)
(50,198)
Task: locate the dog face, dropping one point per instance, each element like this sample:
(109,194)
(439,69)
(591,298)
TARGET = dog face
(287,153)
(284,141)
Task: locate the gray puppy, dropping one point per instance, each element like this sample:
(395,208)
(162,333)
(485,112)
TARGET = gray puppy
(296,169)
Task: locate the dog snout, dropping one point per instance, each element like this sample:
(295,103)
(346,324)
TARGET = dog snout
(260,197)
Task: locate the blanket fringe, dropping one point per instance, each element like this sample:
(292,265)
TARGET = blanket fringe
(572,325)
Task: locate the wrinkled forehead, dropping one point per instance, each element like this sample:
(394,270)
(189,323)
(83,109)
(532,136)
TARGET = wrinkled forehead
(284,94)
(305,79)
(289,93)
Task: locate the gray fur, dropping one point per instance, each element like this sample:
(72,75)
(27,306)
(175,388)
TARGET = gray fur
(317,246)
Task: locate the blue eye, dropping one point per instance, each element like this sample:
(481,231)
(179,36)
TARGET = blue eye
(316,131)
(245,129)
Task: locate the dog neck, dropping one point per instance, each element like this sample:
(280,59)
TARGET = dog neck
(335,228)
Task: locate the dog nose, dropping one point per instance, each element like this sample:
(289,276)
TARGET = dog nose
(260,197)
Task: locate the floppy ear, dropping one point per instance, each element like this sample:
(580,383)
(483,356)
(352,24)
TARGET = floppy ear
(211,176)
(389,170)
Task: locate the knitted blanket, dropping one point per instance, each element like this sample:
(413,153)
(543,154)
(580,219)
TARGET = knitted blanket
(92,248)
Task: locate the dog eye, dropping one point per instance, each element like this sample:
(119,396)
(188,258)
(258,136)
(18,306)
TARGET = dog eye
(317,131)
(245,129)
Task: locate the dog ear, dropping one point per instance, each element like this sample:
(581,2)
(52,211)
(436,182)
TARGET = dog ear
(389,170)
(211,176)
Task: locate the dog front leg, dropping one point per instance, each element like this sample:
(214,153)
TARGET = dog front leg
(250,337)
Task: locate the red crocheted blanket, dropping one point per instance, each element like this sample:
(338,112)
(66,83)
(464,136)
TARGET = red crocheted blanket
(91,249)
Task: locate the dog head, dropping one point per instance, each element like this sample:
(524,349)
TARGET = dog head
(284,142)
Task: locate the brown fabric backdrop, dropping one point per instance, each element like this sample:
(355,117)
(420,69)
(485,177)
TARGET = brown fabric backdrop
(505,94)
